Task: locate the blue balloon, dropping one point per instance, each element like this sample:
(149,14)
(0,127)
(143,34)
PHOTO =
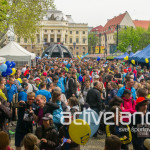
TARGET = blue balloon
(45,55)
(4,74)
(9,71)
(8,63)
(98,58)
(80,78)
(91,117)
(68,66)
(13,64)
(3,68)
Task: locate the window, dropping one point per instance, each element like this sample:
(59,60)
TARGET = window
(25,47)
(70,32)
(83,32)
(77,47)
(77,53)
(84,48)
(77,32)
(58,39)
(83,53)
(45,40)
(58,30)
(52,30)
(45,30)
(25,40)
(84,40)
(18,40)
(52,40)
(71,48)
(70,40)
(77,40)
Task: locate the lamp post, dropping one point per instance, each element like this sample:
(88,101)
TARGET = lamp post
(117,28)
(99,42)
(74,45)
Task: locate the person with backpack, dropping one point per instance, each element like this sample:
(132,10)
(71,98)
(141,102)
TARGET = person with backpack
(129,103)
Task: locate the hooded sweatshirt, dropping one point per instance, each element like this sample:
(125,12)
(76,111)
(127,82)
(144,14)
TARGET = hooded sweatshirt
(129,105)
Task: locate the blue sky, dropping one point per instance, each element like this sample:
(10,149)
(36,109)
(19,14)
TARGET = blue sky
(96,12)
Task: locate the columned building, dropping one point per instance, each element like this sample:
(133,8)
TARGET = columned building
(56,28)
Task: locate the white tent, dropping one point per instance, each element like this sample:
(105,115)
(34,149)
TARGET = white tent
(14,52)
(2,60)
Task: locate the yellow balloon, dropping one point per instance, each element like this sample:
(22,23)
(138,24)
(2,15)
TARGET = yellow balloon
(133,62)
(80,134)
(146,60)
(78,57)
(13,71)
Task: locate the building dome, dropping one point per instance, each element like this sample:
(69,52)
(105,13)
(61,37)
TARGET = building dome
(57,50)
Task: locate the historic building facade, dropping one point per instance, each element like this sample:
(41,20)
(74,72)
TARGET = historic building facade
(56,27)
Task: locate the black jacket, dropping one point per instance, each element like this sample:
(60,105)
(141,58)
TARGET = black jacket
(5,114)
(48,108)
(72,87)
(50,135)
(138,138)
(94,99)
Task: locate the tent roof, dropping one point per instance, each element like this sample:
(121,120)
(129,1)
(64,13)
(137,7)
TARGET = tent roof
(2,59)
(122,56)
(140,56)
(131,54)
(14,49)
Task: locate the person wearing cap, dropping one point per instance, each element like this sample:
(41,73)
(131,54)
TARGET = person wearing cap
(139,128)
(37,82)
(47,133)
(129,86)
(44,92)
(22,96)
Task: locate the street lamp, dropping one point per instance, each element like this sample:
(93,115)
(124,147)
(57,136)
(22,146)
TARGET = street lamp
(99,42)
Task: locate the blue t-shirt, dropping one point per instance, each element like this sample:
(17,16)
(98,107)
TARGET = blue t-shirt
(11,91)
(44,93)
(22,96)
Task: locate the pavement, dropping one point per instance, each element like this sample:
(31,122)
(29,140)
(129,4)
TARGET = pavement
(93,144)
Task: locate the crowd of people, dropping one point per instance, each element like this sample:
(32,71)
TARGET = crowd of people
(34,98)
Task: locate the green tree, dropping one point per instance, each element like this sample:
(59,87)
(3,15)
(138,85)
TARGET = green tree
(22,16)
(128,37)
(92,41)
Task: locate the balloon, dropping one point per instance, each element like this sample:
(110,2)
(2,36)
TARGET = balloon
(3,68)
(4,74)
(133,62)
(80,78)
(80,134)
(146,60)
(9,71)
(13,64)
(90,116)
(45,55)
(8,63)
(13,71)
(126,58)
(68,66)
(98,58)
(79,57)
(125,70)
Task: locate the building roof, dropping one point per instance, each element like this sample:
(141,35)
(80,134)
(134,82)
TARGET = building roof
(141,23)
(97,29)
(112,23)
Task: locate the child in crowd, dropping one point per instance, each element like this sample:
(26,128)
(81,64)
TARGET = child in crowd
(112,143)
(129,103)
(4,141)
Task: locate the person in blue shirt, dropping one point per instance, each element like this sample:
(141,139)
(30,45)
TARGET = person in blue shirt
(12,95)
(61,82)
(22,96)
(44,92)
(129,86)
(11,89)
